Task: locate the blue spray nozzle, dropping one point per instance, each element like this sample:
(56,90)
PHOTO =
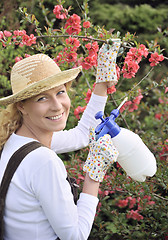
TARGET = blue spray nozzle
(99,115)
(108,124)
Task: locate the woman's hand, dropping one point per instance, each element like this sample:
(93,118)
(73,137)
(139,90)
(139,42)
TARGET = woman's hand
(106,69)
(101,155)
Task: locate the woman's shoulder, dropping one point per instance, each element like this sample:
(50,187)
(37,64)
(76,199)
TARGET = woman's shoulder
(42,154)
(33,156)
(27,147)
(41,161)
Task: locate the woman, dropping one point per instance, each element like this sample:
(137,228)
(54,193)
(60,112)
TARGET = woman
(39,202)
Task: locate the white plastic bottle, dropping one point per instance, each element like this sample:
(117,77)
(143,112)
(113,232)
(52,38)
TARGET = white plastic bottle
(134,156)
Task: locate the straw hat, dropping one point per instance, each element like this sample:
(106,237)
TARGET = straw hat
(36,74)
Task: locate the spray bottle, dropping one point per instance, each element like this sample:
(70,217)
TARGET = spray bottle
(134,156)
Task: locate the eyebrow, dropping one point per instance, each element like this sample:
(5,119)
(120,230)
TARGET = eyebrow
(45,92)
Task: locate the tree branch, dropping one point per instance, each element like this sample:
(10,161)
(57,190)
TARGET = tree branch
(85,37)
(156,195)
(76,36)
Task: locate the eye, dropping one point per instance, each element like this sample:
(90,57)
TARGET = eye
(41,99)
(61,92)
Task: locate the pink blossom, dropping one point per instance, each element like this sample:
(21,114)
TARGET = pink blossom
(80,177)
(134,215)
(86,24)
(1,35)
(132,105)
(17,59)
(100,192)
(122,203)
(132,202)
(7,33)
(164,150)
(99,207)
(78,62)
(143,50)
(79,110)
(89,62)
(106,193)
(158,116)
(71,57)
(133,55)
(149,202)
(88,95)
(60,12)
(73,24)
(129,69)
(155,59)
(127,104)
(28,40)
(161,100)
(27,55)
(111,90)
(118,72)
(73,42)
(59,58)
(137,99)
(101,35)
(19,32)
(92,47)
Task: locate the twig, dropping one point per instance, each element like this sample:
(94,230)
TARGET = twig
(87,81)
(76,36)
(126,95)
(79,6)
(89,38)
(141,79)
(156,195)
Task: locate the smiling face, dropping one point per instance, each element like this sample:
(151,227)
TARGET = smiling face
(47,112)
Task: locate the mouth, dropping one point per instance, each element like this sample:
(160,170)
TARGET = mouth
(57,117)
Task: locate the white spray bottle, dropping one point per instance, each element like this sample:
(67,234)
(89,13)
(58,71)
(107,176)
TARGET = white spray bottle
(134,156)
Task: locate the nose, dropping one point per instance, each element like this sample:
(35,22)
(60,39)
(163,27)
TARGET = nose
(56,104)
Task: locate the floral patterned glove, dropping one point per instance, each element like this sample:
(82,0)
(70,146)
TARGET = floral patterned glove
(101,155)
(106,68)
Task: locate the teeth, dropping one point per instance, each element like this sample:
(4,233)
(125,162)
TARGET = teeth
(56,117)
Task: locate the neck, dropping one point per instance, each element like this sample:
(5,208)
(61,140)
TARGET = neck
(44,138)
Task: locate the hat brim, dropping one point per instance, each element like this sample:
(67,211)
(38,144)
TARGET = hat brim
(43,85)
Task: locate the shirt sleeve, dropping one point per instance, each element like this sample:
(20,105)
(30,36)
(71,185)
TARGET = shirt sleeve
(49,184)
(78,137)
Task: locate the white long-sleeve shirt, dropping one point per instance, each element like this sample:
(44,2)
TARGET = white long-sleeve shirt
(39,202)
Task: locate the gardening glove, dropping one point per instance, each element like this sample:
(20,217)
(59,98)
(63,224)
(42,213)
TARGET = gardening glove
(106,68)
(101,155)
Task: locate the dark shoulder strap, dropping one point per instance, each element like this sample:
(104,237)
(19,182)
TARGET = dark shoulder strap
(12,165)
(14,162)
(1,152)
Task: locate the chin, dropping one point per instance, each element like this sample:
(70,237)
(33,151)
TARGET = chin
(60,128)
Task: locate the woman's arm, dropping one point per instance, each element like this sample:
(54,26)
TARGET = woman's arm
(106,76)
(77,137)
(90,186)
(101,89)
(69,221)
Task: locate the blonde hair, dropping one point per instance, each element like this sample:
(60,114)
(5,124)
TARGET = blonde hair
(10,121)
